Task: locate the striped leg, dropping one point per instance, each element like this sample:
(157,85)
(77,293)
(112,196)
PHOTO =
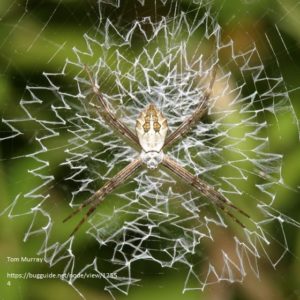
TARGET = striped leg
(107,188)
(199,112)
(105,112)
(205,189)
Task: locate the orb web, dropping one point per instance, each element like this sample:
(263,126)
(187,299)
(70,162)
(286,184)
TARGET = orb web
(151,219)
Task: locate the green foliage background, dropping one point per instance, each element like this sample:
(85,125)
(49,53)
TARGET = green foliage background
(31,36)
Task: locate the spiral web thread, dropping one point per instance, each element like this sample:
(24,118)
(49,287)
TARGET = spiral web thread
(152,218)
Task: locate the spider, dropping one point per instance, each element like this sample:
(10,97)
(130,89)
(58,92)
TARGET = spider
(151,139)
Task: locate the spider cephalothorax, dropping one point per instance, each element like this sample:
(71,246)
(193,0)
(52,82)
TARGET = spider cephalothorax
(151,138)
(151,128)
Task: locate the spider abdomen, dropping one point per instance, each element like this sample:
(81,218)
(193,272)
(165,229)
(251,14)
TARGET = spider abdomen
(151,129)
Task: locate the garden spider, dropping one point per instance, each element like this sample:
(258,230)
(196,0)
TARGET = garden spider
(151,138)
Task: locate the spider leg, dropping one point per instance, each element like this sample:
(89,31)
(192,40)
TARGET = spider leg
(204,188)
(89,212)
(231,215)
(199,112)
(107,188)
(105,112)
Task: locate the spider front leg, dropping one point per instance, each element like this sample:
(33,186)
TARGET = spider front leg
(204,188)
(107,188)
(105,112)
(199,112)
